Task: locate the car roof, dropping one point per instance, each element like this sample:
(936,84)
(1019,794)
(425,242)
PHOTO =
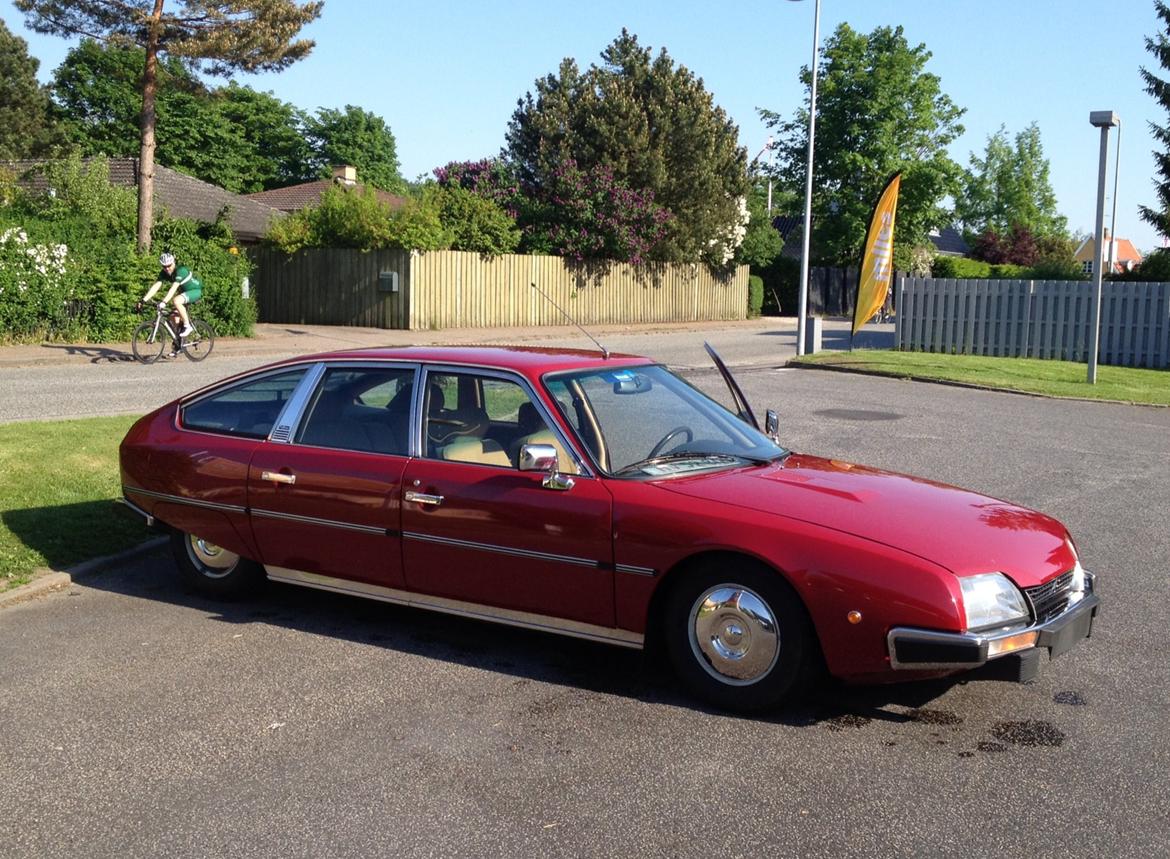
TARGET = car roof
(530,360)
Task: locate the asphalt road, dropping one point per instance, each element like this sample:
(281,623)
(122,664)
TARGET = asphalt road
(84,381)
(138,720)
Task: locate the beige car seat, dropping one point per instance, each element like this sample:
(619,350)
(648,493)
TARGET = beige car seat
(533,430)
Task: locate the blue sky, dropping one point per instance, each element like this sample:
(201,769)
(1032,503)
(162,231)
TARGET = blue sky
(446,75)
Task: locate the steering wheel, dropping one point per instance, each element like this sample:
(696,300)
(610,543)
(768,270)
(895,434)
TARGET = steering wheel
(679,430)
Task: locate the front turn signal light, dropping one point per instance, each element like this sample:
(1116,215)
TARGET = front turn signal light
(1019,641)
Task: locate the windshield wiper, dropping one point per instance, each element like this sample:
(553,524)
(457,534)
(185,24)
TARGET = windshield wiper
(690,454)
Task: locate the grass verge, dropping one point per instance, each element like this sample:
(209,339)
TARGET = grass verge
(59,485)
(1031,375)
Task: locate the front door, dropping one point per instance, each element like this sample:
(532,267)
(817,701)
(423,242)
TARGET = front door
(477,529)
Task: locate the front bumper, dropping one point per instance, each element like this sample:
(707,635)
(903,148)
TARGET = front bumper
(913,649)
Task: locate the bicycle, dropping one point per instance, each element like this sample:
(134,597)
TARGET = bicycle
(151,338)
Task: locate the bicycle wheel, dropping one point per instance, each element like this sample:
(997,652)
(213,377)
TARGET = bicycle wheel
(198,346)
(148,345)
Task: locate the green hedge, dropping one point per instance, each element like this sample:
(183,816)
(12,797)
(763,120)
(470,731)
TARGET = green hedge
(69,269)
(755,296)
(963,268)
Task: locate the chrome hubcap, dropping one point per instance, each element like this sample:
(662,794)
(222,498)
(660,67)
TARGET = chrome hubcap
(734,634)
(210,559)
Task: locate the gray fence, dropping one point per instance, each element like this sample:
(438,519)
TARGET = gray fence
(1034,319)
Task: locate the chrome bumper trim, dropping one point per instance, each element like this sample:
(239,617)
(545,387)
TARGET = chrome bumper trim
(976,644)
(149,519)
(510,617)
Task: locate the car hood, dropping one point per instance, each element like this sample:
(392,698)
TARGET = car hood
(962,531)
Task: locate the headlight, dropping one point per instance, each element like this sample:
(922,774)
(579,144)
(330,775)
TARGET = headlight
(991,599)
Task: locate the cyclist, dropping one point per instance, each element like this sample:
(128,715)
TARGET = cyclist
(185,289)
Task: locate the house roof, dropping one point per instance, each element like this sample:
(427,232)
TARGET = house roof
(296,197)
(1125,255)
(949,242)
(182,196)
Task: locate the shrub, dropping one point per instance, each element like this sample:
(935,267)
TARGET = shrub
(475,223)
(35,285)
(755,296)
(419,225)
(959,267)
(781,286)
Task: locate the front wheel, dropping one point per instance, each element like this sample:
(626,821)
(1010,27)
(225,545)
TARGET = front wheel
(198,346)
(149,343)
(213,570)
(739,636)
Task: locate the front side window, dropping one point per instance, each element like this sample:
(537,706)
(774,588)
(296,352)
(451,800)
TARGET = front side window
(366,409)
(248,409)
(645,421)
(486,420)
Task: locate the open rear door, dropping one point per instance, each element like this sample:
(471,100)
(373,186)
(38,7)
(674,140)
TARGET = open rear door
(741,404)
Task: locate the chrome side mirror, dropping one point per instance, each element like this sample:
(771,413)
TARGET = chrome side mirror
(543,457)
(772,425)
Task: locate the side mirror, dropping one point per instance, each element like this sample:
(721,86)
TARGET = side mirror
(543,457)
(538,457)
(772,425)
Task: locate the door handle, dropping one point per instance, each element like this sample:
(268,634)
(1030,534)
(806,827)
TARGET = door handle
(277,477)
(423,498)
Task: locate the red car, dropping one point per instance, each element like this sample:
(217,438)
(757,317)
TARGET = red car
(598,496)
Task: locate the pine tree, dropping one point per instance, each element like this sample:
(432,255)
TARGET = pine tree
(223,35)
(1159,46)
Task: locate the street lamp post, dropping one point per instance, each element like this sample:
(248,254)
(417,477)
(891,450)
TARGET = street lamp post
(1104,120)
(1113,224)
(802,317)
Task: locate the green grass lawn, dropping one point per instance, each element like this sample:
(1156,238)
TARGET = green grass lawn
(1032,375)
(59,487)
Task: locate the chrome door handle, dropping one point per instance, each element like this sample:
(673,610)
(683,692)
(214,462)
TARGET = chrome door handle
(423,498)
(277,477)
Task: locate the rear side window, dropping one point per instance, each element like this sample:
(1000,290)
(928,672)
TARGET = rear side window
(248,409)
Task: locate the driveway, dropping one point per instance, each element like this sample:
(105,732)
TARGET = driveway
(138,720)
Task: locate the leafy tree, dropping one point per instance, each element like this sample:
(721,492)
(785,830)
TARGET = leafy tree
(26,126)
(1009,186)
(277,152)
(1159,88)
(359,138)
(763,242)
(491,178)
(226,35)
(878,112)
(653,125)
(233,137)
(590,214)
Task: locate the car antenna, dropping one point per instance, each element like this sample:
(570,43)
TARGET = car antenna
(604,351)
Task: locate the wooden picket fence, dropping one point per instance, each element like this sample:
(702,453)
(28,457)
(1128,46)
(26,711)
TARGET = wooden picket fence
(457,289)
(1034,319)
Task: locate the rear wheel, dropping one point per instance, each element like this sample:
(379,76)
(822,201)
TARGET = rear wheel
(146,349)
(198,346)
(738,636)
(213,570)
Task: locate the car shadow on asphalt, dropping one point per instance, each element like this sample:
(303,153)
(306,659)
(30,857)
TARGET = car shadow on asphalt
(588,666)
(96,354)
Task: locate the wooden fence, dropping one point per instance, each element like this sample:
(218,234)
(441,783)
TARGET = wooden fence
(1034,319)
(457,289)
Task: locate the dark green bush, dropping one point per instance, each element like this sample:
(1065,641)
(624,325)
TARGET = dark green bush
(755,296)
(781,284)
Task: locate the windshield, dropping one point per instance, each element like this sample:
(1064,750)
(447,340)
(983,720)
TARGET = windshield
(640,421)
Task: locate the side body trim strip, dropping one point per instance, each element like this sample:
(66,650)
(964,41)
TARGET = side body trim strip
(178,499)
(502,550)
(510,617)
(328,523)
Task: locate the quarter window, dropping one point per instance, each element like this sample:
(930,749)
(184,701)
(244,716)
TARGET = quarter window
(249,409)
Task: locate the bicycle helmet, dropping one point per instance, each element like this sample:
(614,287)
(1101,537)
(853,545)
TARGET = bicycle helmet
(166,259)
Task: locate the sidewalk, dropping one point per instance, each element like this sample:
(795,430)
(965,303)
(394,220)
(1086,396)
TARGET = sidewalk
(280,340)
(276,340)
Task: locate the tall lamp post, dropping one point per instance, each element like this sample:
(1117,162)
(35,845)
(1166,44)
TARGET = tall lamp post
(802,317)
(1104,120)
(1113,224)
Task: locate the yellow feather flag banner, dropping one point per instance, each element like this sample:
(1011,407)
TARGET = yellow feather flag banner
(877,261)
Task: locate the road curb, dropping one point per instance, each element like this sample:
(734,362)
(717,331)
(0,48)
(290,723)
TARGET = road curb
(49,581)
